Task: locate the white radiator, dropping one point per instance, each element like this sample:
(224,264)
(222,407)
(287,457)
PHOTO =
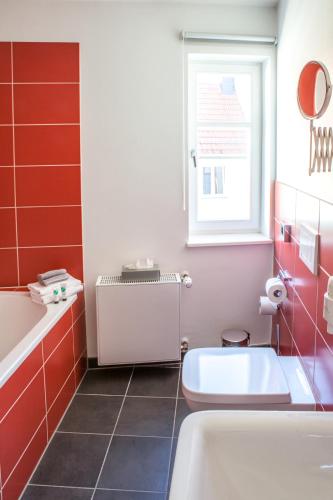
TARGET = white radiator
(138,322)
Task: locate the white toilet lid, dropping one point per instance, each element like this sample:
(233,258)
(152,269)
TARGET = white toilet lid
(235,375)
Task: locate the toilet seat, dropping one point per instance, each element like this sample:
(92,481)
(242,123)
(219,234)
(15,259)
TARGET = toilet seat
(235,376)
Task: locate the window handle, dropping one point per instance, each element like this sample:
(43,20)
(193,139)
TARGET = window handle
(194,157)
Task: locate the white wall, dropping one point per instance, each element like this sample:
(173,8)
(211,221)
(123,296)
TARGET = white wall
(131,101)
(305,34)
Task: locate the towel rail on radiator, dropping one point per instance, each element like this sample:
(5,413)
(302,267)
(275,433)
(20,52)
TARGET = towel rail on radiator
(138,321)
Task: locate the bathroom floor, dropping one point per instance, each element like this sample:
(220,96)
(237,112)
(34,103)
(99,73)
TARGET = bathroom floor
(118,438)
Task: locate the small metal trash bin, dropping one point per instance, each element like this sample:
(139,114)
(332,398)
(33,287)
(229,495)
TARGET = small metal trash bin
(235,338)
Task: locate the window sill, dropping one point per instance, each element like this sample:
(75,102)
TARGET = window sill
(220,240)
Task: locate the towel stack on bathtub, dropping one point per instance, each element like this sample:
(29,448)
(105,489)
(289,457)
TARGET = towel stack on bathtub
(54,286)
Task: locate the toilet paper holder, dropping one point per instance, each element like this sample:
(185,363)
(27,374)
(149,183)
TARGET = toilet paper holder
(284,275)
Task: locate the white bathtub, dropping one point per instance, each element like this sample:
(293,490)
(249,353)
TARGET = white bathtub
(22,326)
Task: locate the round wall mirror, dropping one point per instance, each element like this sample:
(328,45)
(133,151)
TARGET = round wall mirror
(314,90)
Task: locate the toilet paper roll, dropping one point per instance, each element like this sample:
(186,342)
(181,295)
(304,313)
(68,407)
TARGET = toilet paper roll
(266,307)
(276,291)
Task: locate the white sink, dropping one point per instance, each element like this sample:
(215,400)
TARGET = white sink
(254,455)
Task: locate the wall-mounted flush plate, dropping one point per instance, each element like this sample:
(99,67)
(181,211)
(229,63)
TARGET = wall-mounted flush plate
(285,230)
(308,247)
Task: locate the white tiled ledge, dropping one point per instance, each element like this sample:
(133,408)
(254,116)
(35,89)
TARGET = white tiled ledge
(219,240)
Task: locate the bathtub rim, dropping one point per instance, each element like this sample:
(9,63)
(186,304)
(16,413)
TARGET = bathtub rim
(27,344)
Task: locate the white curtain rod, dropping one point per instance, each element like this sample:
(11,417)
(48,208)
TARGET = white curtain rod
(214,37)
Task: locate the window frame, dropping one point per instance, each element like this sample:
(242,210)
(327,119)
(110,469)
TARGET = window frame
(197,63)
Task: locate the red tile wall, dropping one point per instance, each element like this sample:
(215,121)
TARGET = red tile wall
(40,193)
(303,331)
(49,377)
(40,229)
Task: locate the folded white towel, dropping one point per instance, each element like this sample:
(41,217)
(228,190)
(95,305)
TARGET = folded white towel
(39,289)
(54,279)
(50,274)
(47,299)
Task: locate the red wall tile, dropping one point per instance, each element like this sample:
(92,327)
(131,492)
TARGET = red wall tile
(46,103)
(58,368)
(35,260)
(7,196)
(326,237)
(285,339)
(79,332)
(288,256)
(48,186)
(47,145)
(5,62)
(25,467)
(20,379)
(304,336)
(277,241)
(5,104)
(7,228)
(80,369)
(78,306)
(47,226)
(8,270)
(21,423)
(321,322)
(56,334)
(306,286)
(46,62)
(60,404)
(6,150)
(288,306)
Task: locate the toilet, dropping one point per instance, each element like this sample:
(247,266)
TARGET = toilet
(244,378)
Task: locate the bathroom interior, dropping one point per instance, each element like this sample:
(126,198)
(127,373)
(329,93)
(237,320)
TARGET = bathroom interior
(166,249)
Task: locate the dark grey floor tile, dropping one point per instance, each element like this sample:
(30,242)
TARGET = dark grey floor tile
(180,388)
(181,413)
(111,381)
(127,495)
(172,461)
(51,493)
(72,460)
(92,414)
(154,381)
(147,417)
(136,463)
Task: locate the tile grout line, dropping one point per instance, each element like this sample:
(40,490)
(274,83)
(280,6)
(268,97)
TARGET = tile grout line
(41,83)
(14,165)
(173,433)
(114,428)
(121,395)
(70,205)
(66,245)
(113,434)
(45,401)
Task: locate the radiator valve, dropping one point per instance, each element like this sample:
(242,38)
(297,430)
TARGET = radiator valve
(186,279)
(184,345)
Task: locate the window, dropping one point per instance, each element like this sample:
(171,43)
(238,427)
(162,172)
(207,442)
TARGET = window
(224,139)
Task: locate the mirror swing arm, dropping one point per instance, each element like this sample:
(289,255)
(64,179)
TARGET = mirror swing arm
(321,149)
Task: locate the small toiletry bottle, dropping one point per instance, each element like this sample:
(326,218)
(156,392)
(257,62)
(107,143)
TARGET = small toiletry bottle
(63,292)
(56,297)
